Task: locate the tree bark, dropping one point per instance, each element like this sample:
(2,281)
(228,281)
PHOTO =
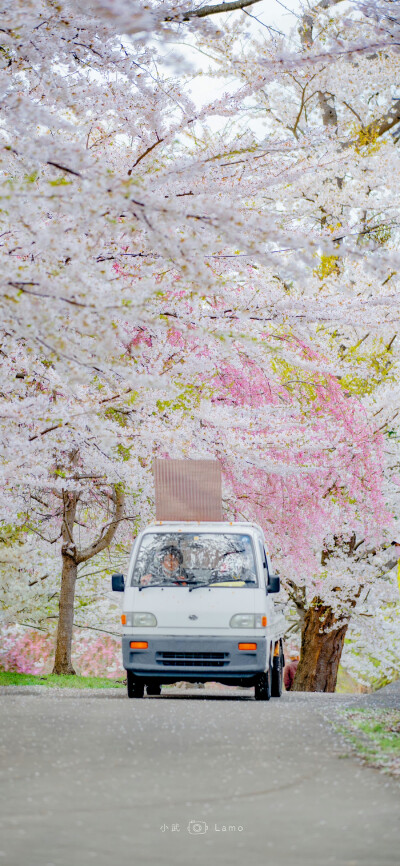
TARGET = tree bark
(322,632)
(71,557)
(321,649)
(62,661)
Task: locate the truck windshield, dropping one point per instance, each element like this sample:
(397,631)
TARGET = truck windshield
(189,559)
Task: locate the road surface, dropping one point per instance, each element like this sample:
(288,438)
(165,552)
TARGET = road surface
(92,777)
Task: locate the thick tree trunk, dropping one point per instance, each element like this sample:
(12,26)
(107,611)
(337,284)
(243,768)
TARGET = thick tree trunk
(62,661)
(321,649)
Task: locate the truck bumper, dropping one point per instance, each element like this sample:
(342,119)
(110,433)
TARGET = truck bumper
(170,659)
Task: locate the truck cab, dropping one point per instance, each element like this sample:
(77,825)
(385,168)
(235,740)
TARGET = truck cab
(199,606)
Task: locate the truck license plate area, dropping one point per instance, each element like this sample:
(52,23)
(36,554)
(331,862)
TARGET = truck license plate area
(192,659)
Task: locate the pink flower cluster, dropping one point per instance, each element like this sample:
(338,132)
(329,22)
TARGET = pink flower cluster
(29,651)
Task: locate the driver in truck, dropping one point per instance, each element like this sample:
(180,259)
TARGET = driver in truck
(170,568)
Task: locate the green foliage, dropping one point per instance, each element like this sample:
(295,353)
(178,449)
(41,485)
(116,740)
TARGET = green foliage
(327,265)
(375,735)
(381,235)
(346,685)
(10,535)
(374,355)
(30,178)
(366,139)
(300,383)
(124,452)
(9,678)
(117,415)
(61,181)
(184,402)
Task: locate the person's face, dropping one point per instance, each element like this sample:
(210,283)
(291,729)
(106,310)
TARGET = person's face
(170,562)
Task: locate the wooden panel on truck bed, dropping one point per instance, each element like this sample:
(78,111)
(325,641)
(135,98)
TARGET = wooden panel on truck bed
(188,490)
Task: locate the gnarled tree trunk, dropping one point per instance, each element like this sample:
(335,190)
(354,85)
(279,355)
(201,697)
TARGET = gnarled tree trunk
(323,631)
(321,649)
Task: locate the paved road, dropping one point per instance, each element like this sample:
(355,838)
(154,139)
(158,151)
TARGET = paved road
(92,777)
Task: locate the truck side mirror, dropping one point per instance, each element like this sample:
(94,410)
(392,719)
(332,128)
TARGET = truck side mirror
(117,583)
(274,583)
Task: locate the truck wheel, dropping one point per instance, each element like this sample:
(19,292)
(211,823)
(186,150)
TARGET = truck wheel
(153,689)
(135,687)
(262,691)
(277,676)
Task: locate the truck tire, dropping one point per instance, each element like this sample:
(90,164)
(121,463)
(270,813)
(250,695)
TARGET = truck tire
(153,689)
(277,675)
(135,687)
(262,690)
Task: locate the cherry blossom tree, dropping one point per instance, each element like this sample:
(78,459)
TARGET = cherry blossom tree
(180,280)
(62,474)
(302,457)
(353,145)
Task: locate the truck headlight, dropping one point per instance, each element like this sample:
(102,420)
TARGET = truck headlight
(248,620)
(140,620)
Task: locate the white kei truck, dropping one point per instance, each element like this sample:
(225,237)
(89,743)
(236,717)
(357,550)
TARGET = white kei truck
(199,607)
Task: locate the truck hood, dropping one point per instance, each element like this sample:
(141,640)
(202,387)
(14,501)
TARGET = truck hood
(208,607)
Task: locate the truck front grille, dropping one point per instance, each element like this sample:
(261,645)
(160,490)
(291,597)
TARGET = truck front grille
(192,659)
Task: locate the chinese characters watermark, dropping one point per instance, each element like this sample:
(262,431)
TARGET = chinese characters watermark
(199,828)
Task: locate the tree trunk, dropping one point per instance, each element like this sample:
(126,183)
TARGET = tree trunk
(71,558)
(62,661)
(321,649)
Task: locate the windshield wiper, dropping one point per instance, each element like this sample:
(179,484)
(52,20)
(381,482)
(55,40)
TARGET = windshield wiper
(191,583)
(223,580)
(149,585)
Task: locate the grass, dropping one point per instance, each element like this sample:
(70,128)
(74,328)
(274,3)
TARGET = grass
(9,678)
(375,736)
(346,685)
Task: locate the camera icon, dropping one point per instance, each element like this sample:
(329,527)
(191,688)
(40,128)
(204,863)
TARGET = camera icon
(197,827)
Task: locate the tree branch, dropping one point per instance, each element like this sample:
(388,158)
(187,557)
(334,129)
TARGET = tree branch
(308,20)
(386,122)
(32,583)
(107,533)
(47,430)
(64,168)
(203,11)
(94,628)
(145,153)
